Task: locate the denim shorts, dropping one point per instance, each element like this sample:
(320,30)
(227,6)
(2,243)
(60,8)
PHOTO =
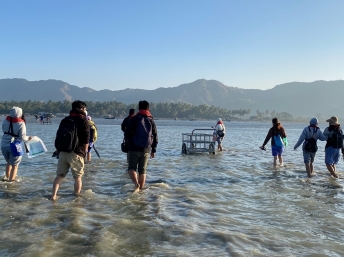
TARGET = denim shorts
(9,157)
(90,145)
(332,155)
(277,150)
(308,157)
(138,161)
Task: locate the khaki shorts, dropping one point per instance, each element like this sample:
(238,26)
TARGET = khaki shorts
(138,161)
(72,161)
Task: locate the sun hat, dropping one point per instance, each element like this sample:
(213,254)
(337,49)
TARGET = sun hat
(88,118)
(313,121)
(333,120)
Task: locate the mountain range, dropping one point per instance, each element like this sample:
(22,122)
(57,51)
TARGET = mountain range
(297,98)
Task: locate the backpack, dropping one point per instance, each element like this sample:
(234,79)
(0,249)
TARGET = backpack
(220,133)
(66,136)
(15,145)
(337,139)
(93,133)
(278,140)
(143,136)
(311,143)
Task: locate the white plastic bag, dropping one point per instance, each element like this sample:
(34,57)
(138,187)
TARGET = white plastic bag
(36,147)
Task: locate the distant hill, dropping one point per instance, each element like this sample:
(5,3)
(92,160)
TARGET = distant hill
(297,98)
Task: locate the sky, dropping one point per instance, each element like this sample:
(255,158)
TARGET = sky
(165,43)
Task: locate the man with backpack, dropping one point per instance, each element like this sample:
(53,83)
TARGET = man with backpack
(93,137)
(124,125)
(334,136)
(309,138)
(142,137)
(71,142)
(126,120)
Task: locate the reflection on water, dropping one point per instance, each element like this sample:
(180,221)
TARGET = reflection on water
(232,203)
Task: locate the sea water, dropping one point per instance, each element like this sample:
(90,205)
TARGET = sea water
(233,203)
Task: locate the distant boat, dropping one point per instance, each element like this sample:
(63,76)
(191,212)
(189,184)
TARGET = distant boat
(192,119)
(109,116)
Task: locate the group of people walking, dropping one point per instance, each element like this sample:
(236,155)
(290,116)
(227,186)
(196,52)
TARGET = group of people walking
(74,140)
(77,133)
(333,135)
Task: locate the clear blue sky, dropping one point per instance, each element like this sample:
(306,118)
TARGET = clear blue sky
(164,43)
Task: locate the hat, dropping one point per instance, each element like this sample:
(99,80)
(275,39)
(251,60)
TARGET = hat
(219,119)
(88,117)
(313,121)
(333,120)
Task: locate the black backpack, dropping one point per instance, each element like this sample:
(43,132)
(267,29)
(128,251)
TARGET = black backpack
(311,143)
(143,136)
(66,136)
(337,139)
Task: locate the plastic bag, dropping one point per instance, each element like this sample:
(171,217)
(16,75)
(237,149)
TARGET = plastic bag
(36,147)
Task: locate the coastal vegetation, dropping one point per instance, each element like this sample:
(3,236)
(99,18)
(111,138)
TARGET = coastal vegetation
(159,110)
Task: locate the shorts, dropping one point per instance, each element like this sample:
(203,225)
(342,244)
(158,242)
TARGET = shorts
(277,150)
(219,140)
(332,155)
(9,157)
(72,161)
(90,145)
(138,161)
(308,157)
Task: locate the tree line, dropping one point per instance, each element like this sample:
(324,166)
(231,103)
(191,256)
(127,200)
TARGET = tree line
(159,110)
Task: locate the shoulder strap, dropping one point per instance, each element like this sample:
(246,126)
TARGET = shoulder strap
(10,129)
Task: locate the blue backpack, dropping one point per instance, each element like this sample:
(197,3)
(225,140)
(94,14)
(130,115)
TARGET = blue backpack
(143,136)
(278,140)
(15,145)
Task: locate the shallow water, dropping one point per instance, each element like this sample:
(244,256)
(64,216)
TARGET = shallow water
(233,203)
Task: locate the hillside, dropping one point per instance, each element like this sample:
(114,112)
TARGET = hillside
(297,98)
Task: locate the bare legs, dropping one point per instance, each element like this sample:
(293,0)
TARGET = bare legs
(11,172)
(280,159)
(139,181)
(332,170)
(309,169)
(88,157)
(58,181)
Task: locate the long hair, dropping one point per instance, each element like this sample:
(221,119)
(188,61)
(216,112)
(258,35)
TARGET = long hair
(23,118)
(276,123)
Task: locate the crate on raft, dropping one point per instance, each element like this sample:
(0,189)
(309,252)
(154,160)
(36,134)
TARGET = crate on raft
(198,142)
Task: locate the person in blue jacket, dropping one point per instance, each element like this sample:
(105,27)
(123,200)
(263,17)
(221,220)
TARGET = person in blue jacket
(309,137)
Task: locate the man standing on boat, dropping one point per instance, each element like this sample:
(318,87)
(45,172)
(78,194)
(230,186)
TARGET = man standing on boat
(142,137)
